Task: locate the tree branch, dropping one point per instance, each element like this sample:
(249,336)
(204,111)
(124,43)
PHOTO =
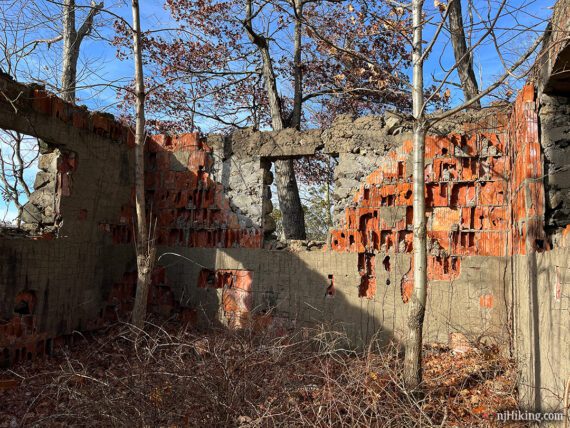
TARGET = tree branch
(438,117)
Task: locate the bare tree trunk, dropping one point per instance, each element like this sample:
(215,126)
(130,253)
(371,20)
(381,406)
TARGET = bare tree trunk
(144,245)
(289,200)
(463,59)
(72,39)
(70,52)
(297,66)
(416,306)
(328,193)
(285,180)
(328,217)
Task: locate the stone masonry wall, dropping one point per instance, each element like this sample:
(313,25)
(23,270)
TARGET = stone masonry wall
(555,140)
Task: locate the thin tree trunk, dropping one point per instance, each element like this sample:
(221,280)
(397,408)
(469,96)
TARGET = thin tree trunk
(297,66)
(328,218)
(70,52)
(463,59)
(72,39)
(416,306)
(144,245)
(289,200)
(285,180)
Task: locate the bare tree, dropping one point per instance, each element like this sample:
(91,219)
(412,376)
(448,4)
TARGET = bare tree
(23,31)
(412,361)
(287,189)
(498,27)
(72,39)
(264,68)
(463,57)
(145,249)
(17,153)
(422,121)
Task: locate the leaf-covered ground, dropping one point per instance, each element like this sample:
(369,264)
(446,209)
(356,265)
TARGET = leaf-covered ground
(169,376)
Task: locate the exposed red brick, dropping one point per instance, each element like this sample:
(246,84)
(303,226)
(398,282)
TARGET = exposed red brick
(486,301)
(42,101)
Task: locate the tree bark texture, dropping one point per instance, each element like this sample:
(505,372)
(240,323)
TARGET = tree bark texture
(72,39)
(144,244)
(417,303)
(463,59)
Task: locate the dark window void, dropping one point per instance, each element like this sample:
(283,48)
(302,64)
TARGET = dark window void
(330,288)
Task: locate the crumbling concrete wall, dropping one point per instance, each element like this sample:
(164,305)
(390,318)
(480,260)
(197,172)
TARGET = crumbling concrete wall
(84,177)
(551,69)
(192,209)
(283,289)
(542,314)
(466,199)
(74,271)
(485,198)
(358,143)
(542,198)
(553,80)
(555,140)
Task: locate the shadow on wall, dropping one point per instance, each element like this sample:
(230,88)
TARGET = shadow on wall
(88,273)
(279,290)
(345,290)
(213,269)
(85,278)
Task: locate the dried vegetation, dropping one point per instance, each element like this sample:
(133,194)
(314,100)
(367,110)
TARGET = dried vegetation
(169,376)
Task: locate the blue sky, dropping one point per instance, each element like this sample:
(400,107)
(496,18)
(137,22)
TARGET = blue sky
(528,15)
(531,16)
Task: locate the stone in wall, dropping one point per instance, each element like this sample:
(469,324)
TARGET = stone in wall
(243,184)
(246,181)
(53,181)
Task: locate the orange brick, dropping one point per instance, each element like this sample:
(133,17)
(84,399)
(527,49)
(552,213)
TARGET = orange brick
(486,301)
(436,195)
(444,218)
(492,193)
(437,146)
(528,93)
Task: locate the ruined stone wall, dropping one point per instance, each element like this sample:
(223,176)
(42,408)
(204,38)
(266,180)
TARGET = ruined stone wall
(551,69)
(541,272)
(555,140)
(209,195)
(467,207)
(553,82)
(192,209)
(358,144)
(75,268)
(55,280)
